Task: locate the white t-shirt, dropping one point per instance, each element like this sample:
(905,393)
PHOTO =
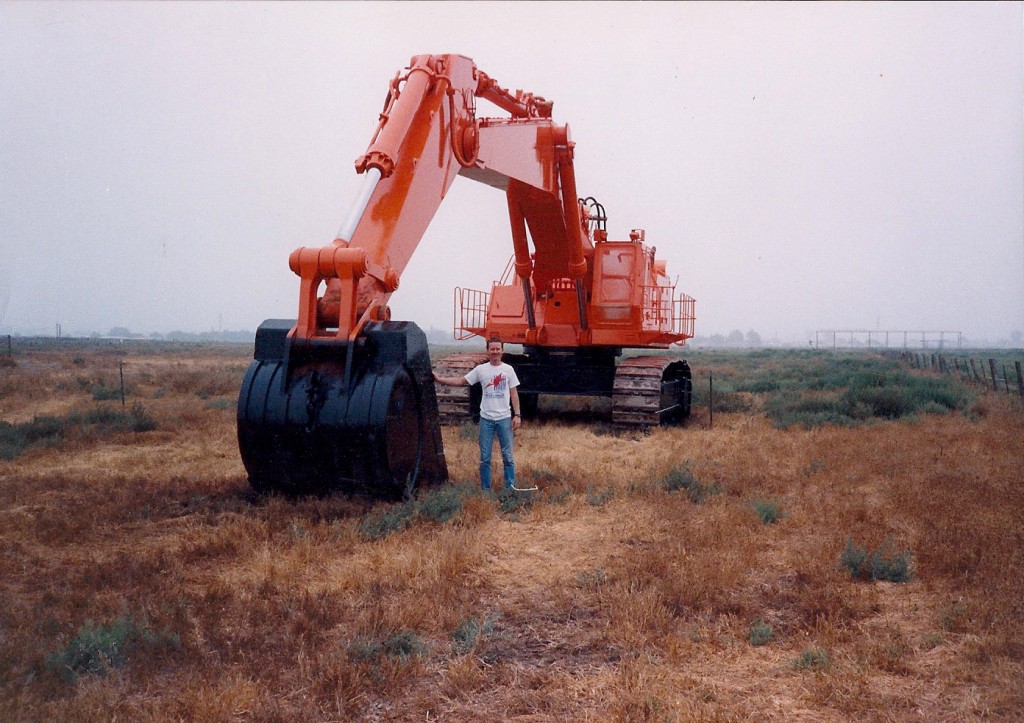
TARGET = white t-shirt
(496,380)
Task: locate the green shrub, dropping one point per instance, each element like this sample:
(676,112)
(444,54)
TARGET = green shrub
(760,633)
(812,659)
(790,409)
(45,431)
(402,645)
(362,650)
(381,523)
(881,564)
(760,385)
(883,402)
(471,632)
(512,501)
(98,648)
(95,648)
(12,441)
(681,478)
(102,393)
(770,510)
(440,504)
(851,391)
(952,616)
(599,497)
(140,421)
(559,496)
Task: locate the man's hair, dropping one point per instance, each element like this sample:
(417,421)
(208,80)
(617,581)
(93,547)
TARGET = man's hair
(494,340)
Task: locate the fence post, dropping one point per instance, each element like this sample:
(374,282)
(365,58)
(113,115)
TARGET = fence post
(974,371)
(1020,382)
(992,367)
(711,399)
(1006,380)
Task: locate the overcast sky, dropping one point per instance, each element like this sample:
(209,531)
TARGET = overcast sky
(799,166)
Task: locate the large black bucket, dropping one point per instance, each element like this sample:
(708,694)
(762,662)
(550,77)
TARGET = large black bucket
(327,416)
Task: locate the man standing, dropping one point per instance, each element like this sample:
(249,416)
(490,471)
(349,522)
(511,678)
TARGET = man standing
(499,410)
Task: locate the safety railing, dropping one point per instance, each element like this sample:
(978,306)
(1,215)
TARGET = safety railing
(685,315)
(665,312)
(470,312)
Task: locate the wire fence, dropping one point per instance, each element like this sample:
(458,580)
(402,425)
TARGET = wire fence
(996,375)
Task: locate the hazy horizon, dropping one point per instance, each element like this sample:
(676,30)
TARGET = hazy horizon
(799,166)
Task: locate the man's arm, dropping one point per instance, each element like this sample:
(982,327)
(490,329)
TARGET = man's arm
(451,381)
(516,409)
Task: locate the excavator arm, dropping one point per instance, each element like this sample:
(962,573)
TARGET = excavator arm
(429,134)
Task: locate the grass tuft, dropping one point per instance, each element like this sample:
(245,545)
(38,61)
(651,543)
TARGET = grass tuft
(769,511)
(882,564)
(97,649)
(510,501)
(103,393)
(599,497)
(403,646)
(682,478)
(472,632)
(760,633)
(440,504)
(815,659)
(381,523)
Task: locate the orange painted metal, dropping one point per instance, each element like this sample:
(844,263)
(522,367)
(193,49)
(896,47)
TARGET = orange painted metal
(574,288)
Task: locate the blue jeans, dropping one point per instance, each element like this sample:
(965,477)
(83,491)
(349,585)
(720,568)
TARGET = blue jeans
(503,428)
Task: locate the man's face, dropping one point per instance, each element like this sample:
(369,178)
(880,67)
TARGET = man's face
(494,352)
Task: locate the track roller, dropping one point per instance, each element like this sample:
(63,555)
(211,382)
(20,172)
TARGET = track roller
(326,416)
(650,391)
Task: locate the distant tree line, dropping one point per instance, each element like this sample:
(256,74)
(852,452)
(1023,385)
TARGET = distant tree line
(734,339)
(121,332)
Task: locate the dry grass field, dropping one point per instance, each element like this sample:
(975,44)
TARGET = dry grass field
(758,569)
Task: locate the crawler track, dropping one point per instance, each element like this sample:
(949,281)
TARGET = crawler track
(455,404)
(650,391)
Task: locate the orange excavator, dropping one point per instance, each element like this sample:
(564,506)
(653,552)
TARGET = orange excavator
(342,398)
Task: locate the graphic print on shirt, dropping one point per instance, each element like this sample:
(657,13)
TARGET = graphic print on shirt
(496,387)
